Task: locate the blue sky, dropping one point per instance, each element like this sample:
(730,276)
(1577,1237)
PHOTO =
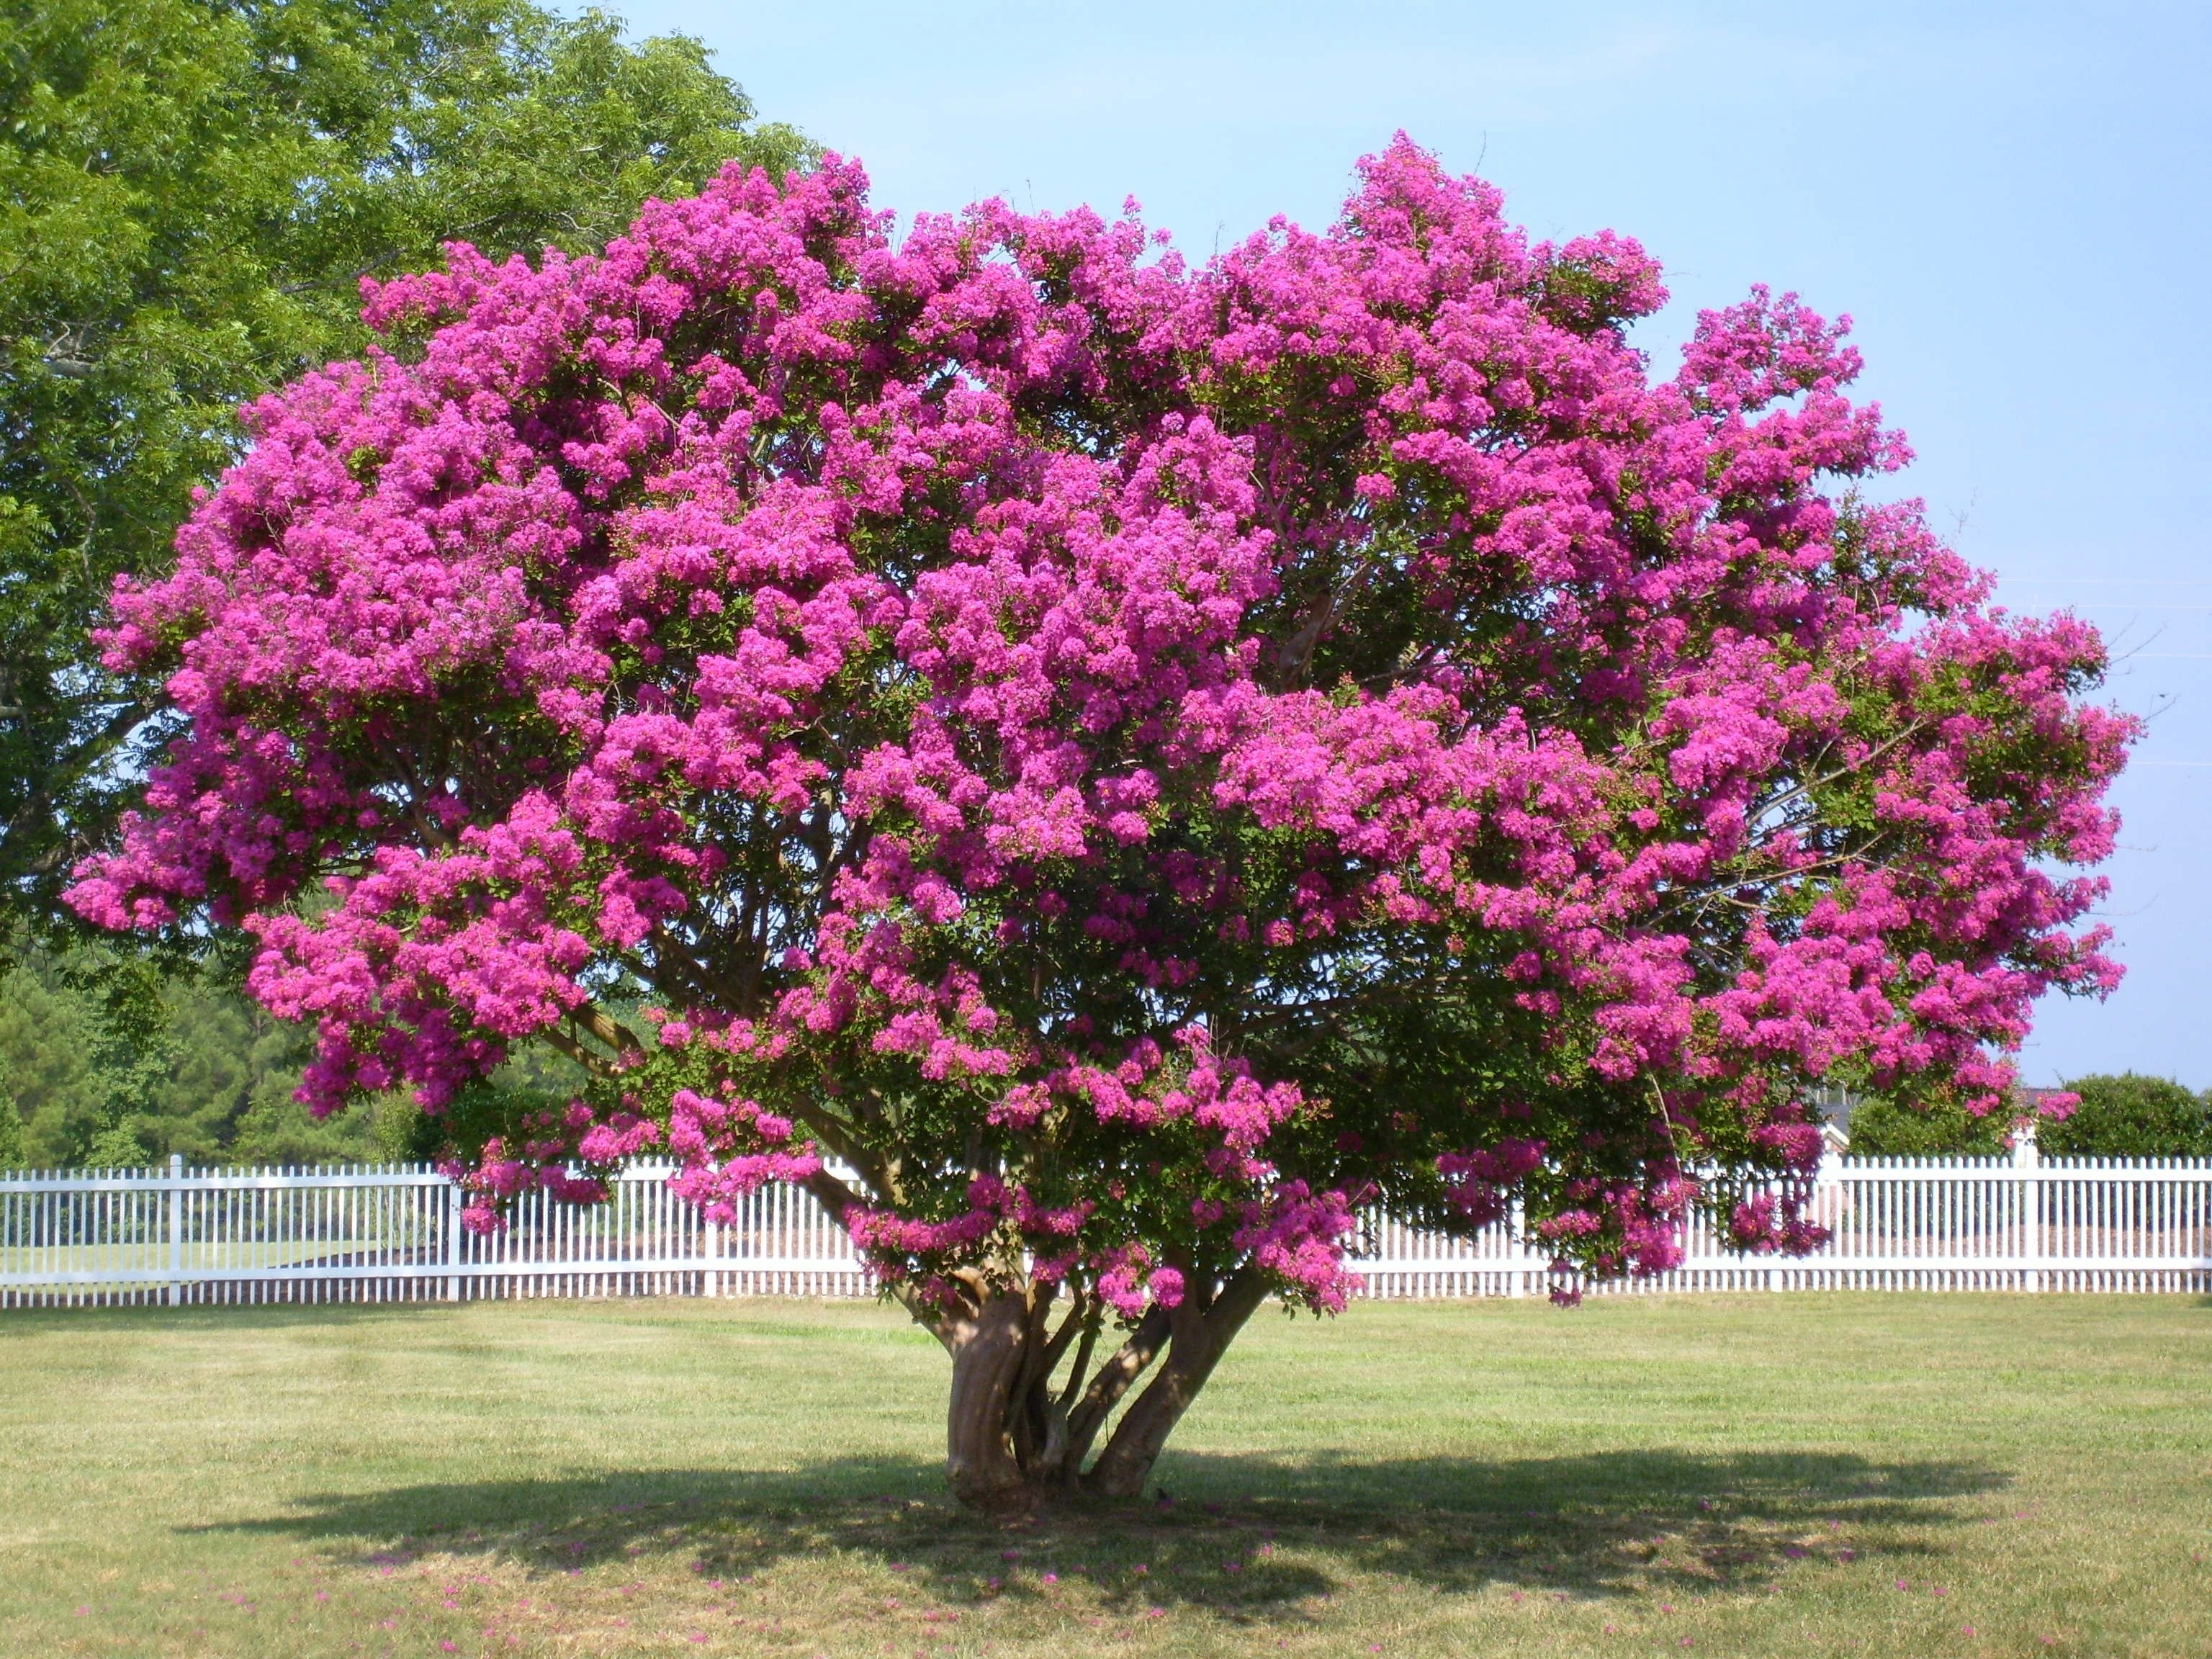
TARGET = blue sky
(2011,200)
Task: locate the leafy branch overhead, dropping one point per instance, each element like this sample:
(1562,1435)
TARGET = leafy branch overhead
(191,193)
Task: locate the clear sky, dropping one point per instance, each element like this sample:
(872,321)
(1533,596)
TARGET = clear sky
(2014,201)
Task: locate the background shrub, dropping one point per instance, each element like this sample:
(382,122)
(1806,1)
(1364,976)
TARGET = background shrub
(1889,1128)
(2130,1115)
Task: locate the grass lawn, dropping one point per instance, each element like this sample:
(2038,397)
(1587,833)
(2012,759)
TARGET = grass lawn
(1789,1475)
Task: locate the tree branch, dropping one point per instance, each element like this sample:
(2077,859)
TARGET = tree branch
(607,1029)
(1093,1317)
(561,1043)
(1114,1379)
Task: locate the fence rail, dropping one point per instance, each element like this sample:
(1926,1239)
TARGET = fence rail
(393,1234)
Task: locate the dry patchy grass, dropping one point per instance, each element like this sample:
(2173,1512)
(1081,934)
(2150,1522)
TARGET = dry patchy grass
(1790,1474)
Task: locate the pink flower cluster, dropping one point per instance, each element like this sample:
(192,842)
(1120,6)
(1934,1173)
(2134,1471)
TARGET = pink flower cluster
(1101,765)
(729,1150)
(1481,1183)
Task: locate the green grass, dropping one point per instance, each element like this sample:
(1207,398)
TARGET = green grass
(1797,1476)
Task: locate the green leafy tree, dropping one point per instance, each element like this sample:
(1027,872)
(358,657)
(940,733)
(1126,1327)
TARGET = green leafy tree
(11,1126)
(118,1146)
(59,1098)
(106,1063)
(191,191)
(2130,1115)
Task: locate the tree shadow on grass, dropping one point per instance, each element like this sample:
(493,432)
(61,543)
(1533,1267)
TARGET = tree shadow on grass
(1247,1537)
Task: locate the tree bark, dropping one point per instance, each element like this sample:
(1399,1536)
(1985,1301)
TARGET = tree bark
(988,1350)
(1199,1337)
(1012,1443)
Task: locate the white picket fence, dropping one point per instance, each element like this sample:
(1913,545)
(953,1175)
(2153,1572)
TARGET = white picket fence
(393,1233)
(1895,1223)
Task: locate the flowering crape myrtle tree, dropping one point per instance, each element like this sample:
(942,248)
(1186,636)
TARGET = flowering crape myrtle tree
(1100,768)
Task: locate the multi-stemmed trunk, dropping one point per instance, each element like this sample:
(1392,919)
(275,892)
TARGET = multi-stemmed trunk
(1015,1440)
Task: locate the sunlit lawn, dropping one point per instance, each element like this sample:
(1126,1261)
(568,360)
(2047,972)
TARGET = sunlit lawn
(1786,1476)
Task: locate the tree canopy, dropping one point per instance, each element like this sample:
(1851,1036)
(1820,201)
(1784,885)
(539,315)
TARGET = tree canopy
(190,193)
(1100,767)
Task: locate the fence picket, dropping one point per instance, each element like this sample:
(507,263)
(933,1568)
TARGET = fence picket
(393,1233)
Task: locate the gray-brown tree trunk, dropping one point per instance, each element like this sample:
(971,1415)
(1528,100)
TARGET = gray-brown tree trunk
(1013,1443)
